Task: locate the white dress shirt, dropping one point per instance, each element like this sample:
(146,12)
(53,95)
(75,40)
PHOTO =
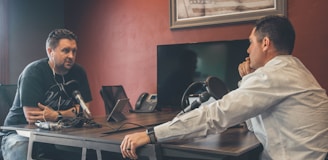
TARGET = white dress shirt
(283,104)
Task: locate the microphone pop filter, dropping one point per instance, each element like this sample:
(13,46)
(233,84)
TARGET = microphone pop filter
(216,87)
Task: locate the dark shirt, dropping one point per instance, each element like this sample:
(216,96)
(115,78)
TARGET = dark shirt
(37,83)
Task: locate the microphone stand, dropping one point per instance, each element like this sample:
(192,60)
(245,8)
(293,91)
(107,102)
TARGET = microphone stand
(84,119)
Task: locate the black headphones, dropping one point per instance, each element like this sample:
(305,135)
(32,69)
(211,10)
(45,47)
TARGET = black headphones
(214,86)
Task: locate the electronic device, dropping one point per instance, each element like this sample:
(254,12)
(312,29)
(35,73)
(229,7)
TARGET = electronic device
(146,103)
(212,87)
(116,114)
(215,88)
(48,125)
(78,97)
(111,94)
(179,65)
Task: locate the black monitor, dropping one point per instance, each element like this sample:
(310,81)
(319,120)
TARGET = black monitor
(179,65)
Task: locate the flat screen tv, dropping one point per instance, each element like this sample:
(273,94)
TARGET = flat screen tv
(179,65)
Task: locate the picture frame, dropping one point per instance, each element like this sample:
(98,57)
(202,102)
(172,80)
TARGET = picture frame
(193,13)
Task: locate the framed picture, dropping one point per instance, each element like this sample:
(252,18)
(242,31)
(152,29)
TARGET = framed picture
(192,13)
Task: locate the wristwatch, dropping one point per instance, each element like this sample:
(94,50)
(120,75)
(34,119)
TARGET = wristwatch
(60,116)
(151,133)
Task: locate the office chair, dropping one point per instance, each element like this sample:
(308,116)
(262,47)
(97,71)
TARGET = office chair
(7,95)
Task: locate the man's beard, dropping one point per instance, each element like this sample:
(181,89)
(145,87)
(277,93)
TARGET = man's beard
(64,68)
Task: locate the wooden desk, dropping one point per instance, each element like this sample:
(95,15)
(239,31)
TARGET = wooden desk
(105,138)
(233,142)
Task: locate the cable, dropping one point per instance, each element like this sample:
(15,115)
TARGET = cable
(129,123)
(118,129)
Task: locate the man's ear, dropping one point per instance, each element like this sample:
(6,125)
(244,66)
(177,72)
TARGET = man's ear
(265,43)
(50,53)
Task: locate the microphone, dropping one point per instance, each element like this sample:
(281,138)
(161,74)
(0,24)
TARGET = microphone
(77,95)
(203,97)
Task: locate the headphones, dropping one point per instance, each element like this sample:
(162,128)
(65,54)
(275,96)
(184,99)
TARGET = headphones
(215,88)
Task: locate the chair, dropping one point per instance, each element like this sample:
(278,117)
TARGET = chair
(7,95)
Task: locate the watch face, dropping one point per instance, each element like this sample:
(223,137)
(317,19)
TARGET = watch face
(150,131)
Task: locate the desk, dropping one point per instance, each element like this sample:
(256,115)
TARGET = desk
(233,142)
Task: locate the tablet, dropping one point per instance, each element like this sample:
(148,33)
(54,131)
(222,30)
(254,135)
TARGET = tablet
(110,95)
(116,114)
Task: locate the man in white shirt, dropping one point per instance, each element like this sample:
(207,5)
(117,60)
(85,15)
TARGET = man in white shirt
(278,97)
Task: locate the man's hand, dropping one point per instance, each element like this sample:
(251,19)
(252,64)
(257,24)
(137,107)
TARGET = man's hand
(131,142)
(48,113)
(244,68)
(32,114)
(40,113)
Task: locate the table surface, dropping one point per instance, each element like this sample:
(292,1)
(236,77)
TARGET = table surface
(233,142)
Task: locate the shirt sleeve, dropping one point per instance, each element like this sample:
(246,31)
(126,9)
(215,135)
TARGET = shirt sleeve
(249,100)
(249,125)
(30,87)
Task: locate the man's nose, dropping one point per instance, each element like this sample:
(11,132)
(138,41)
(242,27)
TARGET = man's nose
(71,54)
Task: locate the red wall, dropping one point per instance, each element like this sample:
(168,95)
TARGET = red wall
(118,40)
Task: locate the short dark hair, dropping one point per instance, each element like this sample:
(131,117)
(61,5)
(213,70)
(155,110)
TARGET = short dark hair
(58,34)
(279,30)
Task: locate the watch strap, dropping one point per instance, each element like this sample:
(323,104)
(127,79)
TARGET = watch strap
(59,116)
(151,134)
